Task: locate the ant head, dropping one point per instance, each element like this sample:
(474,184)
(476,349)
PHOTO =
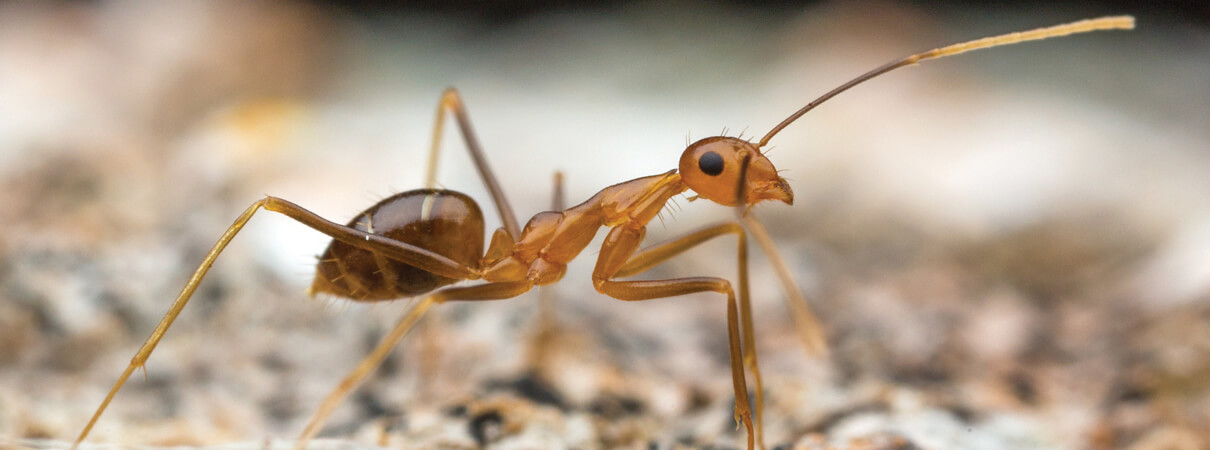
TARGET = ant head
(711,167)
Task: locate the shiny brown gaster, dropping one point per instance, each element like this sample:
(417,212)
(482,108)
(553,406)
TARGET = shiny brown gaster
(421,242)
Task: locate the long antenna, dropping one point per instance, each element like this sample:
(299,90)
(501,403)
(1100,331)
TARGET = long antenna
(1083,26)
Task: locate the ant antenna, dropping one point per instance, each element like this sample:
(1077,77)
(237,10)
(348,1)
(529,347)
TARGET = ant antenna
(1083,26)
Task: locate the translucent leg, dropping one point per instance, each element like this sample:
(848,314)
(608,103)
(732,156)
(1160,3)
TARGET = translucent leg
(490,291)
(410,254)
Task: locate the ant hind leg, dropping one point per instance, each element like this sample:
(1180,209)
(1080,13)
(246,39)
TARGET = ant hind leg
(481,292)
(413,255)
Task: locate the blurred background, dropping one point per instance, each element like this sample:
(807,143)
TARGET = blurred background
(1008,249)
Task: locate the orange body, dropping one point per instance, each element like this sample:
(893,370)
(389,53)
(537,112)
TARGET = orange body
(448,223)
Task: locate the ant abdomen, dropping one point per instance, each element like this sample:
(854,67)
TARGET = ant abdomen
(446,222)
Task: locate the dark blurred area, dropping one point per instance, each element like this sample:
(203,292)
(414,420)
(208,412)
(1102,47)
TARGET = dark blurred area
(489,13)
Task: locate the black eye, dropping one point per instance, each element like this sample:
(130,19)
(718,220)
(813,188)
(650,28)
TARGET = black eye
(710,163)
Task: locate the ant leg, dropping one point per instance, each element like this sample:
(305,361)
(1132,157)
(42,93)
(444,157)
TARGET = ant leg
(451,101)
(619,251)
(809,329)
(807,325)
(407,253)
(489,291)
(544,338)
(642,260)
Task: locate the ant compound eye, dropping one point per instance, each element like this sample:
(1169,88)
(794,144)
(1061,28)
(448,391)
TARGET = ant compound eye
(710,163)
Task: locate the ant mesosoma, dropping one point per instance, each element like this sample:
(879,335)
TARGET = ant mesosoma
(418,242)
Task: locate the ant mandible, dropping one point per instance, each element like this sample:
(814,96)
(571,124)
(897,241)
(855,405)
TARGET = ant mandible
(417,242)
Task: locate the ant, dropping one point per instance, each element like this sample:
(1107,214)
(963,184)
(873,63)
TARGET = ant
(419,242)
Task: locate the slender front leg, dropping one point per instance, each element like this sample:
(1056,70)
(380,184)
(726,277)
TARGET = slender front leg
(646,259)
(621,243)
(490,291)
(452,102)
(809,330)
